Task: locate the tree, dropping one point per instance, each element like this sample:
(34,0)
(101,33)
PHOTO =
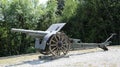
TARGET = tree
(94,20)
(49,16)
(17,14)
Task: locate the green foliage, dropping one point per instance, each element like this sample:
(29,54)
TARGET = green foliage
(69,9)
(17,14)
(30,49)
(95,20)
(49,16)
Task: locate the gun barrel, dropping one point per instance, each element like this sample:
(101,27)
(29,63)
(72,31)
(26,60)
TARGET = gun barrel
(35,32)
(21,30)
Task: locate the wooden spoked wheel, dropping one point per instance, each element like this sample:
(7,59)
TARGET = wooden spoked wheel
(59,44)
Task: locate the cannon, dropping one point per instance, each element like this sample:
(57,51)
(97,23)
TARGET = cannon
(57,43)
(50,41)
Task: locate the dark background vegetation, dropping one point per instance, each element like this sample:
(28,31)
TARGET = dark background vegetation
(88,20)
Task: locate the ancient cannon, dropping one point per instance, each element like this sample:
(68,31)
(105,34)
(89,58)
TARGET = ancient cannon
(56,43)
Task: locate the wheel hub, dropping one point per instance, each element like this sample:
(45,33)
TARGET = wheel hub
(60,44)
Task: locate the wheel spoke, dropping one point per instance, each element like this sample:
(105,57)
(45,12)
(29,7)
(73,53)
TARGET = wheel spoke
(53,45)
(63,51)
(64,44)
(55,52)
(53,49)
(62,37)
(56,38)
(64,48)
(53,41)
(58,52)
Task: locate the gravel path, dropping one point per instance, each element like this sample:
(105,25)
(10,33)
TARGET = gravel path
(81,58)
